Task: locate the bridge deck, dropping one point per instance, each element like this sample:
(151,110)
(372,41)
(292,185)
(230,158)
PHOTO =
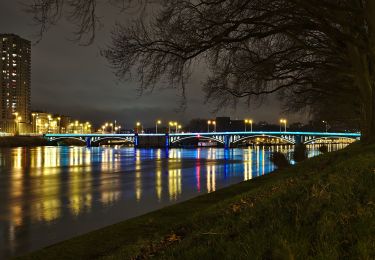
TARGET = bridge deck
(276,133)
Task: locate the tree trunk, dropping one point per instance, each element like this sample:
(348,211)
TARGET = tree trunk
(367,90)
(362,72)
(368,120)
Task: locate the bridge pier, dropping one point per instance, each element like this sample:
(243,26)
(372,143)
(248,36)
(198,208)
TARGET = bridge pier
(167,141)
(136,140)
(299,139)
(88,141)
(226,141)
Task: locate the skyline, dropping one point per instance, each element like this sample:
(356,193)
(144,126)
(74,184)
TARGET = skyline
(77,81)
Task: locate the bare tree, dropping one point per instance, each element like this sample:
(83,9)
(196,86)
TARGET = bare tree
(306,50)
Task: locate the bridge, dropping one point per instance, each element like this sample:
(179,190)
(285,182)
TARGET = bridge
(227,139)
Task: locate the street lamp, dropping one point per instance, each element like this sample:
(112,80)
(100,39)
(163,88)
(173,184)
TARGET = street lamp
(33,128)
(18,123)
(138,125)
(49,123)
(16,119)
(214,124)
(209,122)
(59,122)
(179,128)
(176,125)
(326,123)
(250,122)
(283,121)
(158,122)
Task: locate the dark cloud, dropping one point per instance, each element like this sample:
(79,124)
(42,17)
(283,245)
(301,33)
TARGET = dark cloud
(76,80)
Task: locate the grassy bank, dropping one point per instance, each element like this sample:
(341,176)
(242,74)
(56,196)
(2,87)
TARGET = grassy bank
(22,141)
(322,208)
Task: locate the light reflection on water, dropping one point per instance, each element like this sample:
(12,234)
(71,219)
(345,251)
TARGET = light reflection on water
(48,194)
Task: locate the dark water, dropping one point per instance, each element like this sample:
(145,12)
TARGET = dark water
(49,194)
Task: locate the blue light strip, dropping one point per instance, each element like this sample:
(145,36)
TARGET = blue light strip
(321,134)
(270,133)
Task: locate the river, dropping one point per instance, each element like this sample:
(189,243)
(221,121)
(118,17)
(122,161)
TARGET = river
(49,194)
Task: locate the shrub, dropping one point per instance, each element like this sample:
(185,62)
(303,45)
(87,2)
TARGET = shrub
(280,160)
(300,153)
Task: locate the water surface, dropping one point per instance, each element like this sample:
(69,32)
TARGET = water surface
(49,194)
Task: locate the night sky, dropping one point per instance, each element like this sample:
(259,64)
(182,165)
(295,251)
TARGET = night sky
(76,81)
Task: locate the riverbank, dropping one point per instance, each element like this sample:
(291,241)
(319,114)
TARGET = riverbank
(34,141)
(22,141)
(322,208)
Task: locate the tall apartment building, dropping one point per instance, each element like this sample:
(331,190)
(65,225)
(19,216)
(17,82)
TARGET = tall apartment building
(15,83)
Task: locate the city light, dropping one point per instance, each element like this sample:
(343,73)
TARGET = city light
(158,122)
(209,122)
(171,123)
(214,124)
(283,121)
(138,124)
(250,122)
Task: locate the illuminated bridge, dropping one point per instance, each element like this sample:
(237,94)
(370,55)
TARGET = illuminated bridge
(226,139)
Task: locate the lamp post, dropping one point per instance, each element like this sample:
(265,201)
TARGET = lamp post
(59,126)
(326,123)
(283,121)
(158,122)
(18,124)
(33,123)
(176,125)
(214,124)
(16,120)
(179,128)
(209,122)
(250,122)
(138,125)
(169,127)
(49,123)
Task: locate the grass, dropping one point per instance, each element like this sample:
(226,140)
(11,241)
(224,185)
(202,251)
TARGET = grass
(323,208)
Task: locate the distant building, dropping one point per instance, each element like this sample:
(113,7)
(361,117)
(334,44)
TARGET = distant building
(15,83)
(45,123)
